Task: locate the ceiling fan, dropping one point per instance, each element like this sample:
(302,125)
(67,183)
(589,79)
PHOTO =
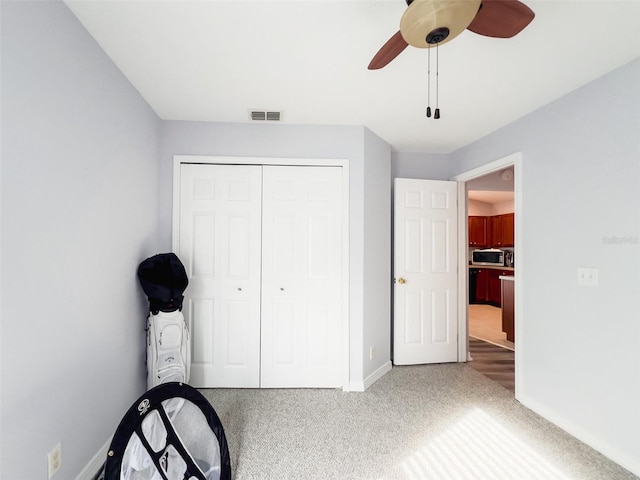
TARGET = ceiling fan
(429,23)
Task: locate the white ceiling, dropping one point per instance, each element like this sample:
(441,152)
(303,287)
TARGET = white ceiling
(490,197)
(216,60)
(494,187)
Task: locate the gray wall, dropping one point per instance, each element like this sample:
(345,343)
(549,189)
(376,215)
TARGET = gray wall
(429,166)
(580,346)
(79,194)
(365,152)
(377,261)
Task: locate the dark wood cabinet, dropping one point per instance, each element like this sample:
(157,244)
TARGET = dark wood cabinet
(482,286)
(478,231)
(495,230)
(492,231)
(486,284)
(508,230)
(508,309)
(495,289)
(480,282)
(489,286)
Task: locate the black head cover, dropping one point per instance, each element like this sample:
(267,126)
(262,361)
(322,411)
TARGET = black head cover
(164,280)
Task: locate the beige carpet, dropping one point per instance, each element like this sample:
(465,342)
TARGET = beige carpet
(429,422)
(485,323)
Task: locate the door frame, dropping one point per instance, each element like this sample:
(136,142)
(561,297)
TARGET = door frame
(229,160)
(515,160)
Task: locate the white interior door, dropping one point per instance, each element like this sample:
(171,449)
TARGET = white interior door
(219,244)
(425,272)
(302,277)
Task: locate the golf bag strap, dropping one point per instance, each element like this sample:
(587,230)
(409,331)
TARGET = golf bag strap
(192,470)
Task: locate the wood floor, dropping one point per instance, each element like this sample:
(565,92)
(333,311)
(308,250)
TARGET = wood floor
(493,361)
(492,354)
(485,323)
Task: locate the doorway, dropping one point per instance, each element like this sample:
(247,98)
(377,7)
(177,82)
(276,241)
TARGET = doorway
(490,211)
(507,170)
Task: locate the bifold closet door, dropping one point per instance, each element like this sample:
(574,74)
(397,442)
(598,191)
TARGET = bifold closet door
(220,246)
(301,277)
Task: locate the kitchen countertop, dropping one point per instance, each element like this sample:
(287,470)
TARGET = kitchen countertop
(494,267)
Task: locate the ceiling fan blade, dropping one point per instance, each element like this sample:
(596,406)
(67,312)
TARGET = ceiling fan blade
(390,50)
(501,18)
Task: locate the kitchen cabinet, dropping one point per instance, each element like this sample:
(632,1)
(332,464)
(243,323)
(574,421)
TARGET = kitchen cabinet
(508,308)
(501,232)
(508,230)
(495,230)
(486,285)
(495,287)
(492,231)
(478,285)
(477,231)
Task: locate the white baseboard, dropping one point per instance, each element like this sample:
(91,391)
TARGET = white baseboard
(91,470)
(605,448)
(371,379)
(377,375)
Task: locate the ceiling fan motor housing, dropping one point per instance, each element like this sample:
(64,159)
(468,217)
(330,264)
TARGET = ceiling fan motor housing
(427,23)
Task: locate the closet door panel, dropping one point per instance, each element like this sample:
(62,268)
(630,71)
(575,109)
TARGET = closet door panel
(301,277)
(220,223)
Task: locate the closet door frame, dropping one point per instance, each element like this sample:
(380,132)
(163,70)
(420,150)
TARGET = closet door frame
(227,160)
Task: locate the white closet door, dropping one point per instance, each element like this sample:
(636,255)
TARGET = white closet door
(219,244)
(302,278)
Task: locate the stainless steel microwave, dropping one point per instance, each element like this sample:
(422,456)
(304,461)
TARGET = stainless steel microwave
(487,256)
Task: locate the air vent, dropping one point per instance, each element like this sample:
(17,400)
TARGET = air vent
(273,116)
(262,116)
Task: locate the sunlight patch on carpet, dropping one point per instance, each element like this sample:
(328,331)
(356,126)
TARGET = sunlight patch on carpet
(478,446)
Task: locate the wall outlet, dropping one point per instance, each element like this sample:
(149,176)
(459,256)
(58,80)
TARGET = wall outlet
(54,458)
(588,276)
(372,352)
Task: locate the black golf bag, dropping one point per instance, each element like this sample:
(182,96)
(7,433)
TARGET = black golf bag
(164,280)
(170,433)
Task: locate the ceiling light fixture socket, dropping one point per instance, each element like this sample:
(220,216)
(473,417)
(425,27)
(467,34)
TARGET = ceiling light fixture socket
(437,35)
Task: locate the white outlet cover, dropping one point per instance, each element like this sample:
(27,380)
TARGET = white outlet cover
(588,276)
(54,458)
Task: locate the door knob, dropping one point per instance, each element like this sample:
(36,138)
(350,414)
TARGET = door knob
(402,281)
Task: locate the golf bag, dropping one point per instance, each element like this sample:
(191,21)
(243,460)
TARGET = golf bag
(170,433)
(163,279)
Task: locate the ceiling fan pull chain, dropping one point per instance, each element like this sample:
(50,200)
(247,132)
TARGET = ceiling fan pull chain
(428,82)
(437,112)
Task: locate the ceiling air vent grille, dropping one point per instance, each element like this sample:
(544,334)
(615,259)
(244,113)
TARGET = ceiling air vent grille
(262,116)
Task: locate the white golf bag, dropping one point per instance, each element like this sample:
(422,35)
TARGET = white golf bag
(163,279)
(168,348)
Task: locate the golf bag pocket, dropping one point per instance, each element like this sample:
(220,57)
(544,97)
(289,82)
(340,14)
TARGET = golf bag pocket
(168,348)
